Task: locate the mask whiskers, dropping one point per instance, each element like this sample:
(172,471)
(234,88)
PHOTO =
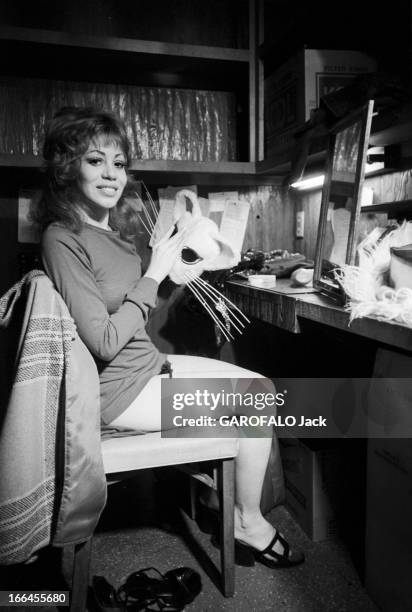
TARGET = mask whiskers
(198,295)
(150,213)
(221,299)
(203,291)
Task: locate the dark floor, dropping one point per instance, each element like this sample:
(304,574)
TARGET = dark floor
(129,538)
(327,582)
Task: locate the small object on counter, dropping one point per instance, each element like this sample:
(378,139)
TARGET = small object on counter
(302,277)
(266,281)
(252,260)
(278,262)
(281,262)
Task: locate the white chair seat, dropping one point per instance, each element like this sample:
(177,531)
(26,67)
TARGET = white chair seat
(139,452)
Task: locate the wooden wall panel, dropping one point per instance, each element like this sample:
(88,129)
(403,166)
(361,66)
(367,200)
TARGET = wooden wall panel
(271,219)
(309,203)
(391,187)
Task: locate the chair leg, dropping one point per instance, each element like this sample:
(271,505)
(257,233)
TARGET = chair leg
(226,487)
(80,579)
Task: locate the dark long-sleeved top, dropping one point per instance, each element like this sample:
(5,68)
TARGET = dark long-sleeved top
(98,274)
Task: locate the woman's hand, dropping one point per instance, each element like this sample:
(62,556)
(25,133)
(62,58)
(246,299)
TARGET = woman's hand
(164,255)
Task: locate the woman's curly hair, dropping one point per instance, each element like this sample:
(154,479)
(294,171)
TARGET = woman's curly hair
(67,139)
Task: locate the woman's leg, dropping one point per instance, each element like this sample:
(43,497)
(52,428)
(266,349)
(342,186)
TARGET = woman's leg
(253,456)
(144,412)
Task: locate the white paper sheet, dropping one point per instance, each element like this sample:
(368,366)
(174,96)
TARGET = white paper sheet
(234,222)
(218,199)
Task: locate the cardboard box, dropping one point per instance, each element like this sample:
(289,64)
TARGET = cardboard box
(325,489)
(295,89)
(388,545)
(306,486)
(388,540)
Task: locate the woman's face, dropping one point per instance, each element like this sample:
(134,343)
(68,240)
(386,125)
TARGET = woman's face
(102,176)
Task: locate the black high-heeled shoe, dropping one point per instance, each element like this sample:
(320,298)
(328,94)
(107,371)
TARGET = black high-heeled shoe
(105,596)
(246,555)
(148,589)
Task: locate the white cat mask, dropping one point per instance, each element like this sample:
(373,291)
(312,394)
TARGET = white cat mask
(205,249)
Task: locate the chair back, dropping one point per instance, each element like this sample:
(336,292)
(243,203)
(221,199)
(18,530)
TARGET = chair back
(53,487)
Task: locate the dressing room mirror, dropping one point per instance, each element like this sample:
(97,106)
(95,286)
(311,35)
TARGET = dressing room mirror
(341,199)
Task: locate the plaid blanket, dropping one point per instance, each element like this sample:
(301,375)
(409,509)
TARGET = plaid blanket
(38,470)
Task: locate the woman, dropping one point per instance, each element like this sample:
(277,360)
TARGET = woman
(97,272)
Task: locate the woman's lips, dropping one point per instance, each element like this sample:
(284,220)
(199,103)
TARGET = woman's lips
(109,191)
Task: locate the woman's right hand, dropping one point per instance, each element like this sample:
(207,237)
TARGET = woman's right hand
(164,254)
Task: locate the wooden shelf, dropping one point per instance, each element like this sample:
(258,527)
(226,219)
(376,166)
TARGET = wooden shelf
(282,165)
(148,165)
(129,45)
(200,173)
(53,54)
(171,165)
(176,171)
(8,160)
(398,210)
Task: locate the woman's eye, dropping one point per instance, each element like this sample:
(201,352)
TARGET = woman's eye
(94,161)
(120,165)
(189,256)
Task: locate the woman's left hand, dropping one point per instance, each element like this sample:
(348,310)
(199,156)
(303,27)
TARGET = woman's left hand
(164,254)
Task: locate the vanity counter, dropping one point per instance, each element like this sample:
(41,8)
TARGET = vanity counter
(285,305)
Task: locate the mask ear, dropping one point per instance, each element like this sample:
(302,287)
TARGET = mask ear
(227,258)
(181,205)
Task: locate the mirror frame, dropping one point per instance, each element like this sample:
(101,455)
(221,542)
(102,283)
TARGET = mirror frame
(363,115)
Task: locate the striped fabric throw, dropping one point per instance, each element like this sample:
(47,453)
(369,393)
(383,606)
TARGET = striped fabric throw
(29,419)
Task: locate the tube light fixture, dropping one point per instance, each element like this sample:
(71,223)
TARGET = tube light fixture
(314,182)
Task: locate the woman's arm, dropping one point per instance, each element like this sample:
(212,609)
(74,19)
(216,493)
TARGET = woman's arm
(67,264)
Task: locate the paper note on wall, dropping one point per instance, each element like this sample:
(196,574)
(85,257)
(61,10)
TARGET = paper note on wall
(234,222)
(27,230)
(166,217)
(218,203)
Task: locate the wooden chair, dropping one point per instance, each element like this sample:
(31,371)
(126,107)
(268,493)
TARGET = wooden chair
(124,456)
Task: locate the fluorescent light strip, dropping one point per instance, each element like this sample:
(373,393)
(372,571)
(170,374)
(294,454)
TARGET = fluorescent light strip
(309,183)
(314,182)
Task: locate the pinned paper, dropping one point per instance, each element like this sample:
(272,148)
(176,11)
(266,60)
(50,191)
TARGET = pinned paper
(234,222)
(218,202)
